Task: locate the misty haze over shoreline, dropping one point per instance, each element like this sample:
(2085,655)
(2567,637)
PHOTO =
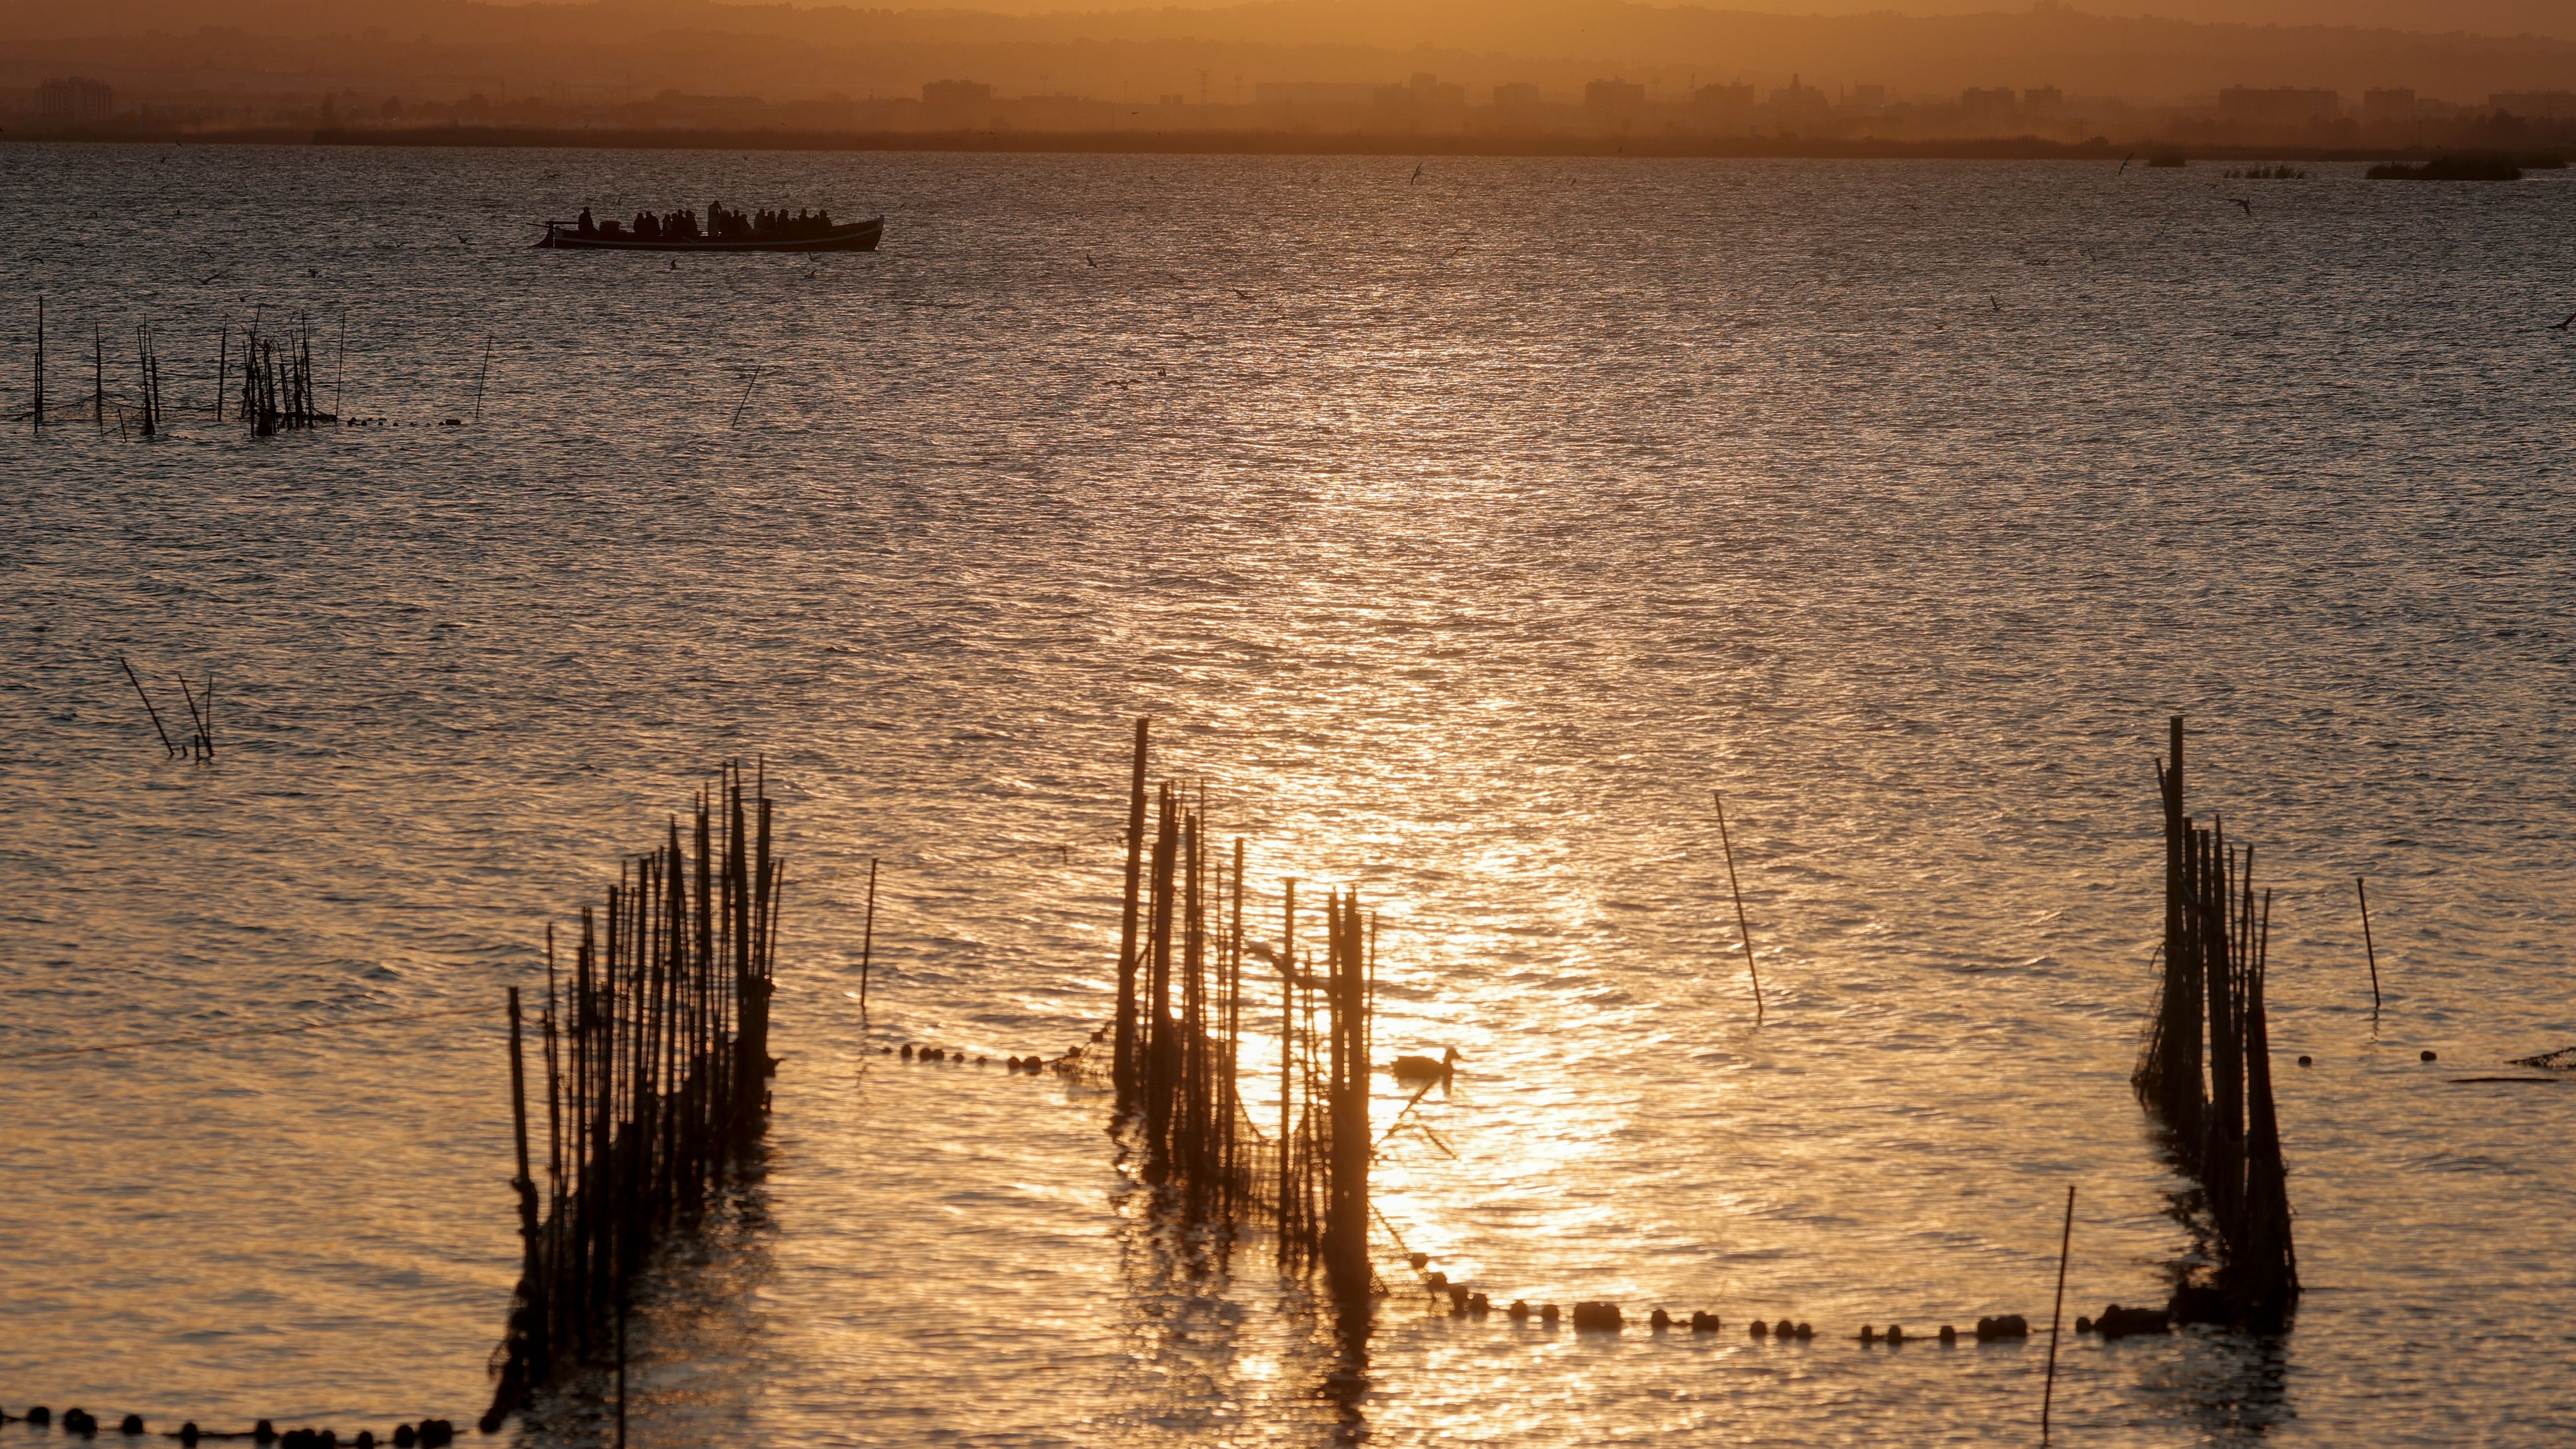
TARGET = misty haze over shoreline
(2054,73)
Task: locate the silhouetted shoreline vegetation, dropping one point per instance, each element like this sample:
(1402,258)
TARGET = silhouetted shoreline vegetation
(2488,167)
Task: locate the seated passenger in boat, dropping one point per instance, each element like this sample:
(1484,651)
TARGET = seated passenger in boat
(586,227)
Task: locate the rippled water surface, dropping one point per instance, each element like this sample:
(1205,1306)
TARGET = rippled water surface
(1461,536)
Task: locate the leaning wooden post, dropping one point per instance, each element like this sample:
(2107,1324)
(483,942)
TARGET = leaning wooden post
(1124,1065)
(147,707)
(525,1183)
(40,363)
(868,941)
(2363,891)
(1740,923)
(2065,1242)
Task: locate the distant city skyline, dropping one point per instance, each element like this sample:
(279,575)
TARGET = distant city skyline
(2055,72)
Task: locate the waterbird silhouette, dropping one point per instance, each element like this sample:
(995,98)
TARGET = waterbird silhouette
(1087,261)
(1417,173)
(2562,326)
(2124,163)
(1990,297)
(2241,201)
(1238,291)
(1424,1069)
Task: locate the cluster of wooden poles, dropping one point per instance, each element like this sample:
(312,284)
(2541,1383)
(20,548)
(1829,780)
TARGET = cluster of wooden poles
(277,389)
(1179,1030)
(144,416)
(2206,1073)
(276,382)
(656,1061)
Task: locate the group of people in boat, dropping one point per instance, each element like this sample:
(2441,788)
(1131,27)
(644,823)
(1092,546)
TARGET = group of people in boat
(720,225)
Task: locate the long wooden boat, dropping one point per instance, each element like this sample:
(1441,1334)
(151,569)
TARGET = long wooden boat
(858,236)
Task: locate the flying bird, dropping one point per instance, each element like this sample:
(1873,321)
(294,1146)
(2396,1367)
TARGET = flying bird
(1990,297)
(2241,201)
(1238,291)
(1417,172)
(2562,326)
(2124,163)
(1086,257)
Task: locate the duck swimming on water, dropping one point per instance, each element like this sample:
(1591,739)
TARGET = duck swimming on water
(1425,1069)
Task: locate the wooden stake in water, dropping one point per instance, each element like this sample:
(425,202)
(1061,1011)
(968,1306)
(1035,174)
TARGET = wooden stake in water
(868,941)
(479,374)
(1124,1064)
(1741,923)
(40,362)
(147,706)
(2363,891)
(2066,1241)
(526,1182)
(1287,1051)
(200,746)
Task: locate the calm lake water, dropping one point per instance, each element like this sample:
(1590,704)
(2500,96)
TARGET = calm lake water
(1461,535)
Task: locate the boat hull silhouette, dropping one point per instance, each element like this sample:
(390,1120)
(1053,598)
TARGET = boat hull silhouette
(858,236)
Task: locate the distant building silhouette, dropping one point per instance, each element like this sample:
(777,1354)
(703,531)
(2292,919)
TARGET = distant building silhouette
(1727,109)
(75,101)
(2277,108)
(949,94)
(1802,107)
(1988,107)
(2391,107)
(1614,98)
(2535,105)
